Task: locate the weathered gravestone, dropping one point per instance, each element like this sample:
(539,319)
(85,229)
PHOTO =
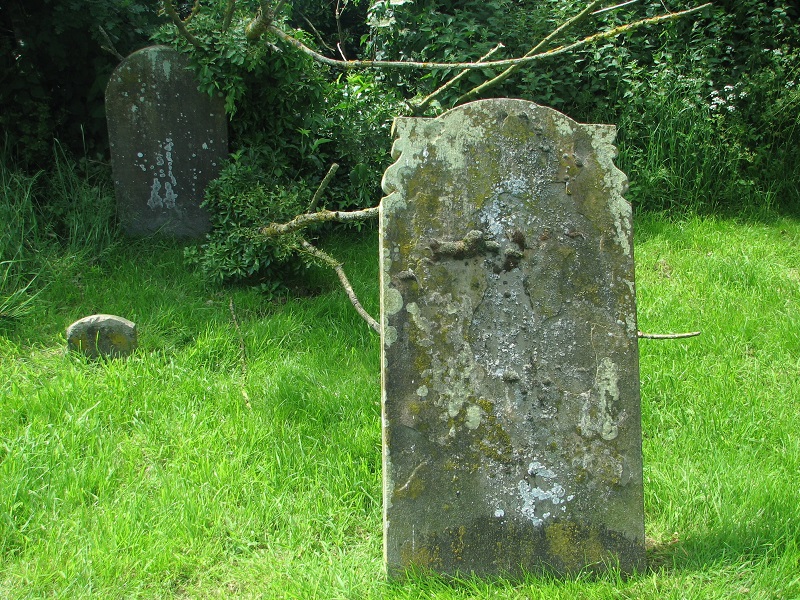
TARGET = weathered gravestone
(168,140)
(511,414)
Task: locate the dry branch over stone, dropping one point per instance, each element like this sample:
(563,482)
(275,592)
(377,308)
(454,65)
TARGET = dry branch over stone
(323,216)
(381,64)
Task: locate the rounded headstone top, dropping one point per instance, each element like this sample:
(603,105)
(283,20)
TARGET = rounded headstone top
(102,335)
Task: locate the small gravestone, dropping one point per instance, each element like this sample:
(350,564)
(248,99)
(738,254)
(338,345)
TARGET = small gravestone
(511,411)
(168,140)
(102,335)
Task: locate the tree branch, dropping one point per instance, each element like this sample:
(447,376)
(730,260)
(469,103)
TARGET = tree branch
(226,23)
(262,23)
(610,8)
(473,93)
(323,216)
(110,47)
(369,64)
(169,9)
(668,336)
(418,109)
(338,13)
(195,10)
(323,184)
(320,39)
(337,266)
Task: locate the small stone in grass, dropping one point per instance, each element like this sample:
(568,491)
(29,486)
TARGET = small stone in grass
(102,335)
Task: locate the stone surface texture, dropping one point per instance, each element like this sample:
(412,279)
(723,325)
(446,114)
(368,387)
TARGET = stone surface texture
(102,336)
(511,410)
(168,140)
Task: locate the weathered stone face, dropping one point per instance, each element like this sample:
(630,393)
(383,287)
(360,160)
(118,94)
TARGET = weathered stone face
(511,414)
(168,140)
(106,336)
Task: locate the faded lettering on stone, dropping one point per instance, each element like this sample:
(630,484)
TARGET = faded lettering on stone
(512,429)
(168,141)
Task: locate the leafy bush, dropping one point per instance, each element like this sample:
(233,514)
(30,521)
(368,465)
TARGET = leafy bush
(694,99)
(241,200)
(290,119)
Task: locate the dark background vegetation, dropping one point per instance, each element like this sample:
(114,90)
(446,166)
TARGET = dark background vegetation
(707,106)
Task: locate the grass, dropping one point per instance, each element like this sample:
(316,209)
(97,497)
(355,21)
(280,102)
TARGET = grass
(196,470)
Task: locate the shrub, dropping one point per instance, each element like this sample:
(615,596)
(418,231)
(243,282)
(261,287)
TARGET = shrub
(290,119)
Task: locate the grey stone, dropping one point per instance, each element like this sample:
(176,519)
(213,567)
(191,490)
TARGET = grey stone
(168,140)
(510,377)
(102,335)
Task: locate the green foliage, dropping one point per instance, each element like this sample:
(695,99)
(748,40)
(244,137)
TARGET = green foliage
(53,223)
(694,99)
(290,119)
(241,201)
(178,474)
(690,144)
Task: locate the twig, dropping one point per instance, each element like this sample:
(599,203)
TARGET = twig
(610,8)
(338,13)
(474,92)
(337,266)
(668,336)
(323,216)
(195,10)
(242,353)
(169,9)
(323,184)
(369,64)
(226,23)
(110,48)
(317,33)
(417,109)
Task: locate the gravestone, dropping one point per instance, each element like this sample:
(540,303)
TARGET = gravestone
(511,411)
(168,140)
(98,336)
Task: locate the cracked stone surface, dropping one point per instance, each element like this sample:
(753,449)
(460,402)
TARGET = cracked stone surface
(511,411)
(168,140)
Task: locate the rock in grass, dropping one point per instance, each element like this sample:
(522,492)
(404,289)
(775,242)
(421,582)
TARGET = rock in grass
(102,335)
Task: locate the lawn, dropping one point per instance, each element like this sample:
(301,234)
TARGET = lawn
(237,453)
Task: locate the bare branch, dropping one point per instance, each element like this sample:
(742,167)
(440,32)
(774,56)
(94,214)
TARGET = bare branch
(195,10)
(668,336)
(262,22)
(337,266)
(369,64)
(110,47)
(169,9)
(323,216)
(338,13)
(473,93)
(417,109)
(320,39)
(323,184)
(610,8)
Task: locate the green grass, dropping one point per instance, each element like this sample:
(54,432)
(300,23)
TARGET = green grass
(194,470)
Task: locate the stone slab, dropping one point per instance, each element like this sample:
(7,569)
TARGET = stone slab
(168,140)
(510,378)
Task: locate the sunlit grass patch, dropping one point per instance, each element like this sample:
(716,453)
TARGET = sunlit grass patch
(236,454)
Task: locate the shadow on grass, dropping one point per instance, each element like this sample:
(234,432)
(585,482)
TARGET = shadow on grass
(699,552)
